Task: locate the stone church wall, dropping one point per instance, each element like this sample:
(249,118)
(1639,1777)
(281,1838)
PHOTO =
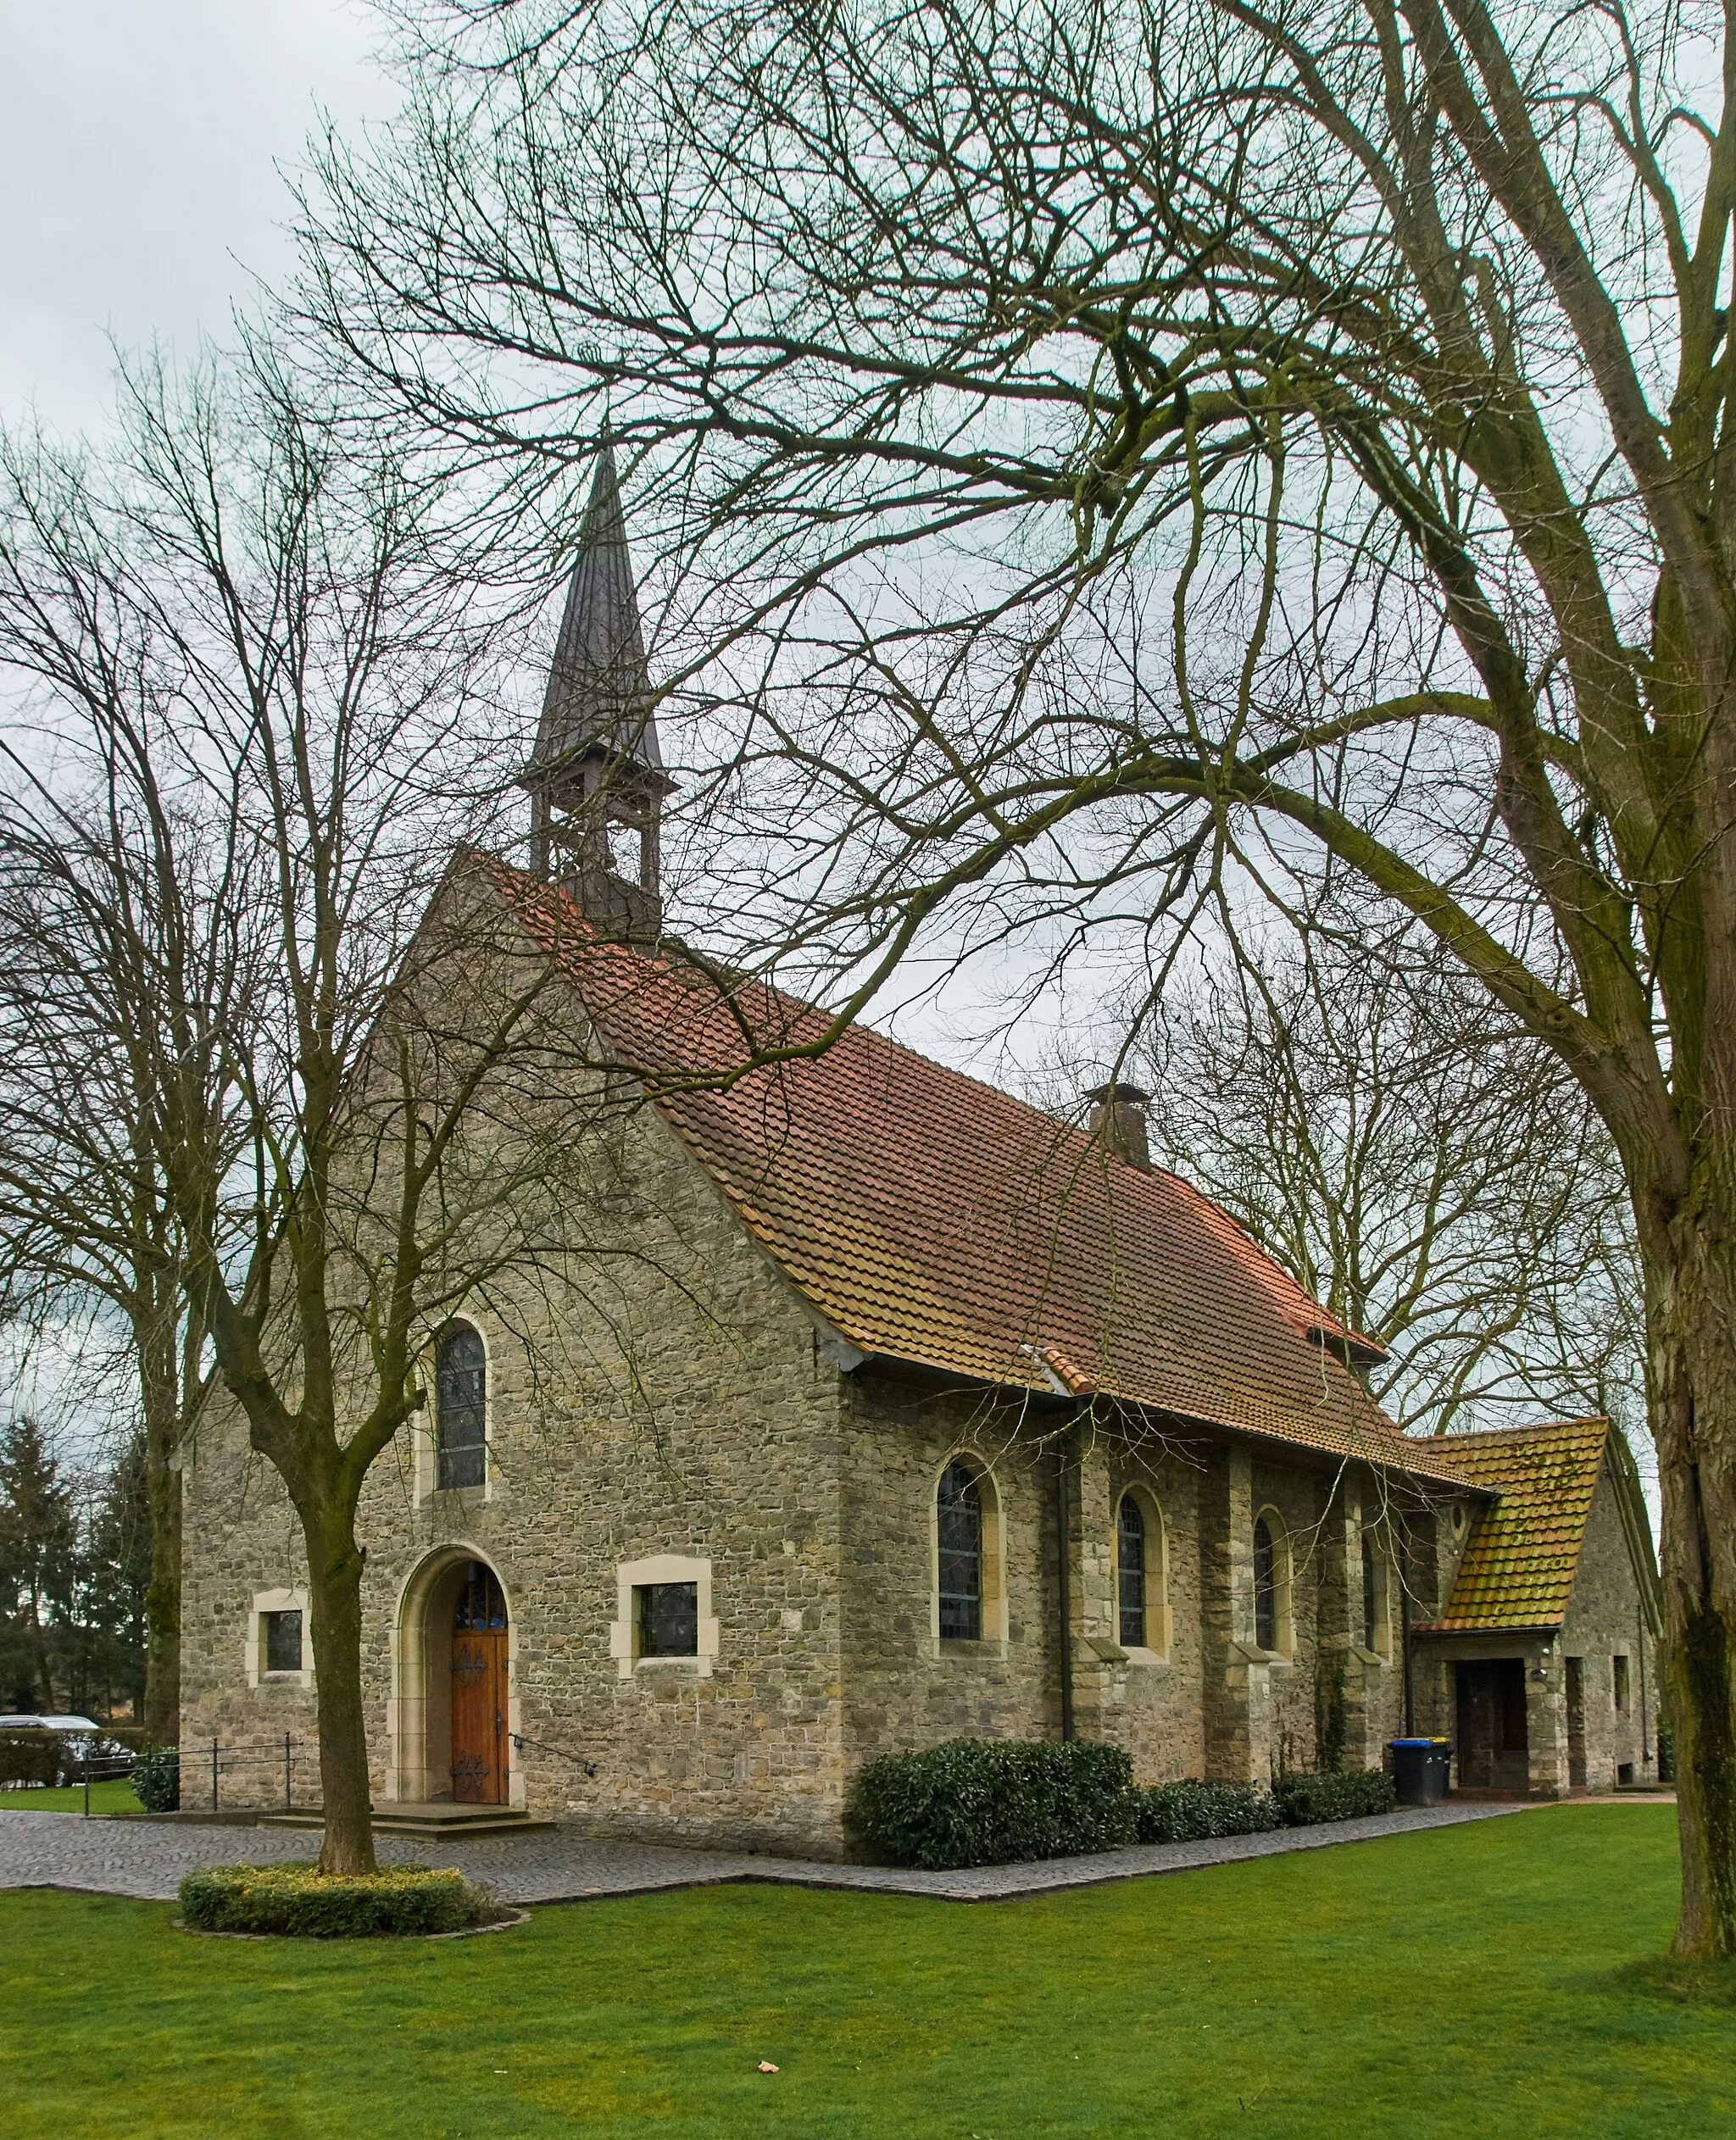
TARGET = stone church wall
(677,1406)
(678,1410)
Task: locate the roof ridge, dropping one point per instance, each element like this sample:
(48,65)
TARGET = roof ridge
(1538,1427)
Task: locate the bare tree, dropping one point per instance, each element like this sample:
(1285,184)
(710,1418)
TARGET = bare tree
(254,752)
(1115,449)
(1434,1178)
(92,1253)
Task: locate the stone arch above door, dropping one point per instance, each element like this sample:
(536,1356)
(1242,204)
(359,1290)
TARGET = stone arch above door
(423,1658)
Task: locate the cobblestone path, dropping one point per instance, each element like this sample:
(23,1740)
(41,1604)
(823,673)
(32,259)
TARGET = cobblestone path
(146,1858)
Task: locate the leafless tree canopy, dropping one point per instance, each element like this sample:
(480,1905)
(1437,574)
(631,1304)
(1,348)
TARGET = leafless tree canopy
(1116,460)
(268,1045)
(1435,1178)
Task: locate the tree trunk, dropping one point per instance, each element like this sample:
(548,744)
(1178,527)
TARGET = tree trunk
(1691,1269)
(335,1564)
(161,1717)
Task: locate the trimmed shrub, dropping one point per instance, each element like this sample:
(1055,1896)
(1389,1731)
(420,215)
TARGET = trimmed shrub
(991,1801)
(156,1779)
(29,1757)
(305,1904)
(1303,1800)
(1193,1812)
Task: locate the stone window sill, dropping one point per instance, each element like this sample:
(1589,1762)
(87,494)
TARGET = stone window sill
(1150,1659)
(963,1653)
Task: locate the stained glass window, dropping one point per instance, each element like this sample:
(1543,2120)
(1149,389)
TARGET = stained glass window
(669,1619)
(959,1509)
(1370,1616)
(1265,1601)
(283,1642)
(1130,1572)
(482,1603)
(461,1406)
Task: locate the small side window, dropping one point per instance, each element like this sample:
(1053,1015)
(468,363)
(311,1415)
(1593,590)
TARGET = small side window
(959,1508)
(1265,1602)
(1370,1598)
(1130,1573)
(1620,1677)
(282,1632)
(668,1619)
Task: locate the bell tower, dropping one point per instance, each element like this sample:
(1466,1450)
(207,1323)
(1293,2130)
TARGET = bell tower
(596,779)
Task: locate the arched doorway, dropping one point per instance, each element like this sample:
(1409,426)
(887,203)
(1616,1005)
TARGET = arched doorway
(479,1755)
(451,1715)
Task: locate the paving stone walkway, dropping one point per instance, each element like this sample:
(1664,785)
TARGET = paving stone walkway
(147,1859)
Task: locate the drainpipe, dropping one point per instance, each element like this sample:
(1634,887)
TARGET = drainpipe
(1644,1727)
(1404,1647)
(1063,1524)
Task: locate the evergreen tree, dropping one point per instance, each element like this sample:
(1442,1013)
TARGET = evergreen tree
(114,1575)
(38,1563)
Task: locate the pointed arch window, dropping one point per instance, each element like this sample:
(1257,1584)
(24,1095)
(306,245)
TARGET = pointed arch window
(461,1407)
(1370,1603)
(1129,1574)
(1266,1591)
(959,1509)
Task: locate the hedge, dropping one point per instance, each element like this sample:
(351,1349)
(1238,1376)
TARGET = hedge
(29,1757)
(305,1904)
(1197,1812)
(156,1779)
(1304,1800)
(988,1802)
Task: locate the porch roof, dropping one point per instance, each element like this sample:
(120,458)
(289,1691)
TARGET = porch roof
(1524,1551)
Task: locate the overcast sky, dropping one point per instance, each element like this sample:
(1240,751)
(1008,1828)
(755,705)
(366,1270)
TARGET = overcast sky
(138,171)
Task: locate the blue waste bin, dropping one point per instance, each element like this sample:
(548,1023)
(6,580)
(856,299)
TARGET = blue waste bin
(1421,1768)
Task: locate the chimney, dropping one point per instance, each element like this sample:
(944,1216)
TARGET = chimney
(1117,1121)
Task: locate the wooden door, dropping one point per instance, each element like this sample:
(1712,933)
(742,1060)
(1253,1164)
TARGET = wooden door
(479,1746)
(1493,1738)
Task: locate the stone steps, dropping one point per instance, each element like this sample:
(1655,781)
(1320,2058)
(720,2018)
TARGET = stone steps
(433,1823)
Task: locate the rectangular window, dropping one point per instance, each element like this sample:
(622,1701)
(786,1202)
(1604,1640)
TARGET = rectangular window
(1621,1680)
(282,1634)
(669,1619)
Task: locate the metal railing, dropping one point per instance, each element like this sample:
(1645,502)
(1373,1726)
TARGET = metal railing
(218,1760)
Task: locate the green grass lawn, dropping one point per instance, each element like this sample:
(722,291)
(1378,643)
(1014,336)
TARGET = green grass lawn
(111,1795)
(1492,1979)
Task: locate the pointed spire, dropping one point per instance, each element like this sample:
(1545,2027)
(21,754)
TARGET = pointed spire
(599,695)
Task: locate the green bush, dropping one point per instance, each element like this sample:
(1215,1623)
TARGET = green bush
(156,1779)
(29,1757)
(1303,1800)
(991,1801)
(1193,1812)
(306,1903)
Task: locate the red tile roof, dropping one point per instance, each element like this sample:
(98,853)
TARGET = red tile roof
(1523,1551)
(929,1218)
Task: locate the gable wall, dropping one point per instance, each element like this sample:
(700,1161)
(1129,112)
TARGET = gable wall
(1603,1621)
(683,1410)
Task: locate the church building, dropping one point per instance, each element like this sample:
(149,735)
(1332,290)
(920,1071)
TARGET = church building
(929,1416)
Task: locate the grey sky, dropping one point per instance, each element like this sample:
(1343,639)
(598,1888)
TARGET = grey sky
(137,177)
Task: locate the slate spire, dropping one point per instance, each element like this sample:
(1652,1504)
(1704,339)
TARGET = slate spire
(596,777)
(599,694)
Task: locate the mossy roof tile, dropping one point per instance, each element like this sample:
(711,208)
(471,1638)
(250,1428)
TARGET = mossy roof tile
(1523,1551)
